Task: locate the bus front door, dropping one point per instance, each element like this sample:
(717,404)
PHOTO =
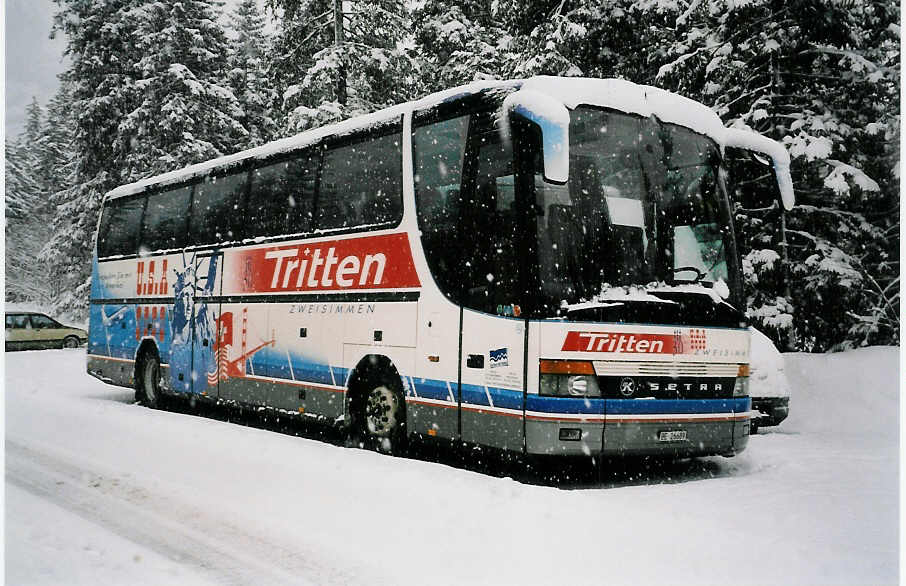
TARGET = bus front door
(492,386)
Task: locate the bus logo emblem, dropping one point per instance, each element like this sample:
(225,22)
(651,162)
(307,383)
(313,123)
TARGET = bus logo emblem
(627,386)
(499,357)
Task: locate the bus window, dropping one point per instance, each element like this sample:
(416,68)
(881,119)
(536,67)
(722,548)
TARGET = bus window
(438,180)
(118,234)
(490,264)
(282,195)
(216,209)
(164,226)
(361,184)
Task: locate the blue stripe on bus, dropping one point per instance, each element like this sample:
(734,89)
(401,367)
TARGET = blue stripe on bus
(506,398)
(569,405)
(503,398)
(438,390)
(428,388)
(572,405)
(341,375)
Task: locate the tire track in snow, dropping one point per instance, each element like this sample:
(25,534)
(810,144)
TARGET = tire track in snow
(178,530)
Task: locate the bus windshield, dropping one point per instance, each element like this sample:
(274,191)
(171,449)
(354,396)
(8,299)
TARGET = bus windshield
(644,204)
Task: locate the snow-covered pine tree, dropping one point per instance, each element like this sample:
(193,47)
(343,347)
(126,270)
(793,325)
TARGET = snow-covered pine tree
(302,29)
(57,141)
(822,77)
(145,91)
(25,232)
(322,79)
(458,43)
(24,179)
(246,74)
(616,38)
(36,167)
(102,53)
(182,114)
(22,185)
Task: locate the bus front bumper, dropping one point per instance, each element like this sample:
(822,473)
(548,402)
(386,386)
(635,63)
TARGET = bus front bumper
(638,438)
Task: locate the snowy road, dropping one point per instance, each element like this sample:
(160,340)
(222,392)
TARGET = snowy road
(102,491)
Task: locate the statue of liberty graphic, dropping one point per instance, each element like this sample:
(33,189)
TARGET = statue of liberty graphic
(192,313)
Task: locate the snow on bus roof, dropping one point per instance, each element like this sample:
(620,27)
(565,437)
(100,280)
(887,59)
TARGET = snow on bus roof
(572,91)
(626,96)
(307,137)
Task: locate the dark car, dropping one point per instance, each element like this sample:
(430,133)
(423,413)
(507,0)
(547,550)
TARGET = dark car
(28,330)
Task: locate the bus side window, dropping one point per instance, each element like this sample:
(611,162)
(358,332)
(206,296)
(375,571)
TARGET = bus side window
(216,209)
(118,233)
(438,157)
(361,184)
(282,196)
(164,226)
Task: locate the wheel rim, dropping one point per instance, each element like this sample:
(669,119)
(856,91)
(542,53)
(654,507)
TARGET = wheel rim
(150,379)
(70,343)
(381,412)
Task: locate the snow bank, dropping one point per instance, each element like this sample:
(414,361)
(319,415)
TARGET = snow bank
(846,393)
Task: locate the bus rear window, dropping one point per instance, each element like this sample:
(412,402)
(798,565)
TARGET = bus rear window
(118,234)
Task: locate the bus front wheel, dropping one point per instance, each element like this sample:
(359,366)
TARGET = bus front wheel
(147,390)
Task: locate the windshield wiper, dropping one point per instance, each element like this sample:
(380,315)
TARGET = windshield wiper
(699,274)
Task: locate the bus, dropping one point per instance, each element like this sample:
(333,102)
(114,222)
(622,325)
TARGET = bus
(543,266)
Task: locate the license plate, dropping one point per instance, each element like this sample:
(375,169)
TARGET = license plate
(672,436)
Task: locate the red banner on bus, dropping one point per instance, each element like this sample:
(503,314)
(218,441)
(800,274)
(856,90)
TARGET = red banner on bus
(619,342)
(374,262)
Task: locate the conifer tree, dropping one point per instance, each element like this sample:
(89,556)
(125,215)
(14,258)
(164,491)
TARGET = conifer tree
(29,183)
(24,177)
(823,78)
(24,232)
(182,114)
(820,76)
(57,142)
(460,42)
(144,81)
(247,75)
(337,59)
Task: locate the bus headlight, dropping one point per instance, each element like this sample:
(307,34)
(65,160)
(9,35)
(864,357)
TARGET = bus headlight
(568,378)
(569,385)
(741,388)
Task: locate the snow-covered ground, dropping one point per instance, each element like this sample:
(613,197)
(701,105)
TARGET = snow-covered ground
(102,491)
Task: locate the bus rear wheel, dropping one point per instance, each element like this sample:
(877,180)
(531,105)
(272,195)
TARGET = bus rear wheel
(383,418)
(147,390)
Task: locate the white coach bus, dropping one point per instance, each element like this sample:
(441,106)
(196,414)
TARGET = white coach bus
(546,266)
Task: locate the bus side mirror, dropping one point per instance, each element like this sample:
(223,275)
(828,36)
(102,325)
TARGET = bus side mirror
(756,143)
(552,117)
(752,181)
